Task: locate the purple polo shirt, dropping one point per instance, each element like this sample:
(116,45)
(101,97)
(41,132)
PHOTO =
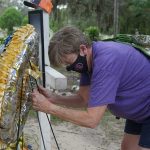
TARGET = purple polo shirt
(120,79)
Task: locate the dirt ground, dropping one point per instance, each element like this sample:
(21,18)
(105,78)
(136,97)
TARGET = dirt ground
(104,137)
(107,136)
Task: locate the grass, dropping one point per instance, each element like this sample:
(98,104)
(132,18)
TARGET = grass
(32,114)
(111,126)
(55,120)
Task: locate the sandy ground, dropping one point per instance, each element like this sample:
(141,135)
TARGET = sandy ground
(107,136)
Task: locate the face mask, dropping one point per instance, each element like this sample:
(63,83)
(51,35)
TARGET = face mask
(80,65)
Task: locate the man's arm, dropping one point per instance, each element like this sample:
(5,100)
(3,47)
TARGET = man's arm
(74,101)
(87,118)
(78,100)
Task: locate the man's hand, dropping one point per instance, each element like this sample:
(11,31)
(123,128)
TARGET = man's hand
(87,118)
(40,102)
(47,93)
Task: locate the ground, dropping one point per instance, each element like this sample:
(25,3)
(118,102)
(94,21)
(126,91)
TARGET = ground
(107,136)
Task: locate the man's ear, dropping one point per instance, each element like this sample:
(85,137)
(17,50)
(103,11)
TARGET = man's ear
(83,50)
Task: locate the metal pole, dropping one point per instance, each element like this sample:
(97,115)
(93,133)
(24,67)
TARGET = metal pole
(40,20)
(116,16)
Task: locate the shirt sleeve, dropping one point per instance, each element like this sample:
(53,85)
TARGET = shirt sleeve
(104,87)
(85,79)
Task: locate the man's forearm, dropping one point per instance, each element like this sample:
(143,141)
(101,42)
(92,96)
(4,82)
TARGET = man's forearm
(69,101)
(77,117)
(89,118)
(79,100)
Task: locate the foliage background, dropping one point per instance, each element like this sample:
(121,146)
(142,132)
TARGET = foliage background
(133,15)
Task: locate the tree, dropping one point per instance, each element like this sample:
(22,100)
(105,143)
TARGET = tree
(25,20)
(10,18)
(133,14)
(3,5)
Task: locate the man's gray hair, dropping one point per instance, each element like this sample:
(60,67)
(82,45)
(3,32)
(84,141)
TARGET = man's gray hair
(66,41)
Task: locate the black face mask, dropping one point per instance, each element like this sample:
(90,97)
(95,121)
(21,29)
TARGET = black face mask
(80,65)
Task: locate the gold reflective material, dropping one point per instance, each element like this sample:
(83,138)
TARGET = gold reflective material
(15,81)
(2,85)
(3,73)
(1,94)
(34,74)
(35,71)
(2,145)
(3,80)
(5,68)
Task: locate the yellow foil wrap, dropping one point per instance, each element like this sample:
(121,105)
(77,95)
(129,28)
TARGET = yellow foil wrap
(15,82)
(35,75)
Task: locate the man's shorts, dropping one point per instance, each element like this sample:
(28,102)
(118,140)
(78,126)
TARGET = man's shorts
(142,129)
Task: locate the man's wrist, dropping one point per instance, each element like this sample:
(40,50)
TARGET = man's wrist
(53,109)
(53,98)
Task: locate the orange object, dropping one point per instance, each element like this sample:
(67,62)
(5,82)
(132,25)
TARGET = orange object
(46,5)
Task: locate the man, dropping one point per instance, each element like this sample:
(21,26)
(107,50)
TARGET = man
(113,75)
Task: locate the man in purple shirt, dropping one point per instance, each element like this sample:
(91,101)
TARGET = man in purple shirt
(114,76)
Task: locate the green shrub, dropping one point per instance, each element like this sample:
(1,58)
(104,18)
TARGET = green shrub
(10,18)
(1,40)
(93,33)
(25,20)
